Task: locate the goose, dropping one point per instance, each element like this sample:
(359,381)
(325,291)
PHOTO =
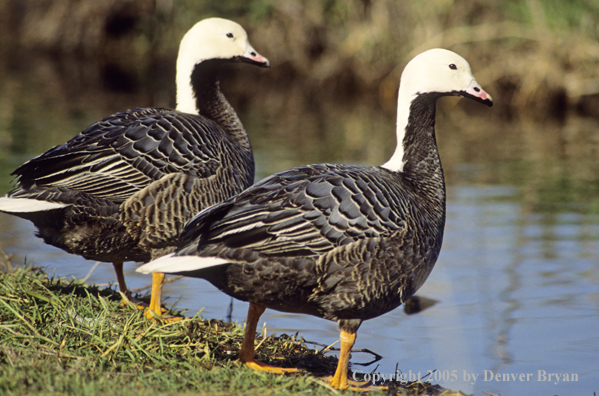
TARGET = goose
(123,189)
(341,242)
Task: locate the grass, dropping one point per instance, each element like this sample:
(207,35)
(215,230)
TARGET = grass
(60,337)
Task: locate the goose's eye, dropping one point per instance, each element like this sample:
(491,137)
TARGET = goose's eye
(230,35)
(452,66)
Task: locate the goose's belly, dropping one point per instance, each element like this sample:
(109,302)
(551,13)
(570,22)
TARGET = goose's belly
(361,286)
(92,237)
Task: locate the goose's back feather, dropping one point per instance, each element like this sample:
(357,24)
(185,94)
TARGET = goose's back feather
(312,209)
(122,154)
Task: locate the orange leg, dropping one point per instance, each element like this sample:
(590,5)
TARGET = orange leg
(246,354)
(155,310)
(156,297)
(118,268)
(339,380)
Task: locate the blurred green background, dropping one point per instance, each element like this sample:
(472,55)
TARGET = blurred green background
(331,92)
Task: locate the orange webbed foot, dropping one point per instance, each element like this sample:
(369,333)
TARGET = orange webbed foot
(258,366)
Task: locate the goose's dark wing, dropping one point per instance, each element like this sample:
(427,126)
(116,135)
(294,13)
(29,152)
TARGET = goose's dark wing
(120,155)
(305,211)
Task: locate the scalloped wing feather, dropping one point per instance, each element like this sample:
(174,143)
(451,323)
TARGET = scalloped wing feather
(306,211)
(109,163)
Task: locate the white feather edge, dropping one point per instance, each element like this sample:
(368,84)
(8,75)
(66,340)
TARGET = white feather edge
(171,264)
(27,205)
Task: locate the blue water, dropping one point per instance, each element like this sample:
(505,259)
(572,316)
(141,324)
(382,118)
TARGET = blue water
(517,300)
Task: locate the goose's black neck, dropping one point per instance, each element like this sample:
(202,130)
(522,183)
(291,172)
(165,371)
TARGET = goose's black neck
(212,103)
(422,163)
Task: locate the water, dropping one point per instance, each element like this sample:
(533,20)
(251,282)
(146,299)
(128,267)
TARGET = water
(517,282)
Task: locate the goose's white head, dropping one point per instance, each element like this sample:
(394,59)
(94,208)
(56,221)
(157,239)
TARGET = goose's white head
(437,72)
(212,38)
(443,72)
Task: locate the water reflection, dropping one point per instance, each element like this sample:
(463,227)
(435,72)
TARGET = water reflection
(517,283)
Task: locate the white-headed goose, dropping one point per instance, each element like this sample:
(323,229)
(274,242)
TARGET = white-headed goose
(341,242)
(123,189)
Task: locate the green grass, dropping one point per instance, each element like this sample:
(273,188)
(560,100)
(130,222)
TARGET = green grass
(64,338)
